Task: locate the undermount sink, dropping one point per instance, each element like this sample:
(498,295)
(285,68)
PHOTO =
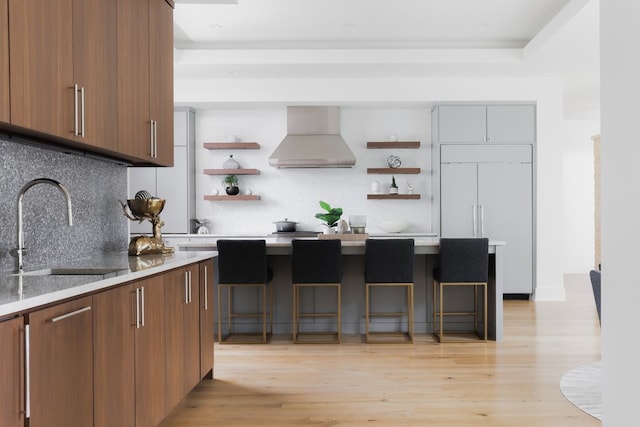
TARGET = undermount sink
(76,271)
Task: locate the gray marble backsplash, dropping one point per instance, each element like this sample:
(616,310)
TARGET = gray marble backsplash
(95,187)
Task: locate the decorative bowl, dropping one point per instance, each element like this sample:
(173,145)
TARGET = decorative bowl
(394,225)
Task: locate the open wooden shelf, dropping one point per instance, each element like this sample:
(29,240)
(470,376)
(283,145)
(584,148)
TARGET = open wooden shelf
(232,172)
(231,145)
(393,196)
(397,144)
(393,171)
(225,198)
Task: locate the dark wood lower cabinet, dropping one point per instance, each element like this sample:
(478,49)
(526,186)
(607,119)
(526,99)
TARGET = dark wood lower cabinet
(61,365)
(11,373)
(206,319)
(114,346)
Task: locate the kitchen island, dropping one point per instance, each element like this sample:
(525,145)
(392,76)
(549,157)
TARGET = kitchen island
(426,259)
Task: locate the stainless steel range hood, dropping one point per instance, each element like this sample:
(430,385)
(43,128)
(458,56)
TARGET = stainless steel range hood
(313,140)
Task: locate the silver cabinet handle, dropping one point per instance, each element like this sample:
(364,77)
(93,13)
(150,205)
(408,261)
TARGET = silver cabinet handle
(27,372)
(151,138)
(155,139)
(481,220)
(75,109)
(474,217)
(73,313)
(186,287)
(142,306)
(82,111)
(137,308)
(190,293)
(206,291)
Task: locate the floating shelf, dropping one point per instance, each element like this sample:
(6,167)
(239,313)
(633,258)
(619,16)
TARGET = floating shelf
(393,196)
(397,144)
(393,171)
(232,172)
(226,198)
(231,145)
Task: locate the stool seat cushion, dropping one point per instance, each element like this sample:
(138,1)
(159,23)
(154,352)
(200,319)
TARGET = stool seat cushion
(389,260)
(316,261)
(243,262)
(463,260)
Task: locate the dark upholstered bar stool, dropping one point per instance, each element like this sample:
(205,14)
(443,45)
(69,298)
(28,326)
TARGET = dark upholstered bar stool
(464,262)
(316,263)
(243,264)
(389,263)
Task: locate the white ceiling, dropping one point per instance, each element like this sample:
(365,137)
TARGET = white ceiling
(393,38)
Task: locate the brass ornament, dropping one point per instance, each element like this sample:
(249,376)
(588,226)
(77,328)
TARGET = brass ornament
(149,210)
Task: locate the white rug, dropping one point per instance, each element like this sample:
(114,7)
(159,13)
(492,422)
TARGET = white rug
(582,386)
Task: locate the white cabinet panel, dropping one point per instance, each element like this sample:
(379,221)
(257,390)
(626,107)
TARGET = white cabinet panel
(462,123)
(506,208)
(459,199)
(485,124)
(511,124)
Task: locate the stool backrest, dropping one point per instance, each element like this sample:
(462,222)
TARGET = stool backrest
(388,260)
(242,261)
(464,260)
(316,261)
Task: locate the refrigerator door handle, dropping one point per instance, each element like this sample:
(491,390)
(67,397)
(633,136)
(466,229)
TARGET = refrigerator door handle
(481,220)
(474,216)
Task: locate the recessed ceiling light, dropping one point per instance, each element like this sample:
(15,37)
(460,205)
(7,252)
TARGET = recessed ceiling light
(350,26)
(215,26)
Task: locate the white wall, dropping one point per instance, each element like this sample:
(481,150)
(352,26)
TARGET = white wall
(620,210)
(578,195)
(414,94)
(295,193)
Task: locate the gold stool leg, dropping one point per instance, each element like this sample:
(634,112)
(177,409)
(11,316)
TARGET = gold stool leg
(219,313)
(366,314)
(339,325)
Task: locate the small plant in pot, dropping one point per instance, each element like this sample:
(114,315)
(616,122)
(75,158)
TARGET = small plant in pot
(231,185)
(330,217)
(393,188)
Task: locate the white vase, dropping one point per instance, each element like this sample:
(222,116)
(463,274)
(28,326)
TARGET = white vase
(329,230)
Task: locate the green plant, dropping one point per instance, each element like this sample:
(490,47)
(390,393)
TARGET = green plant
(231,180)
(393,182)
(331,216)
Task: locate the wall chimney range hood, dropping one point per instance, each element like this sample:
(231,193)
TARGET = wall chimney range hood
(313,140)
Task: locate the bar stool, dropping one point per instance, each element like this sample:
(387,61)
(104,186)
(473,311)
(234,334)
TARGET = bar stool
(464,262)
(389,263)
(316,264)
(243,264)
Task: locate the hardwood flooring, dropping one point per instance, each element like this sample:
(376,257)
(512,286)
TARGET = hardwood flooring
(511,383)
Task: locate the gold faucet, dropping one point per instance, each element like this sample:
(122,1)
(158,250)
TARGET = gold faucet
(21,250)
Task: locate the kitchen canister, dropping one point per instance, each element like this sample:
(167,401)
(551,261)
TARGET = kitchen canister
(231,163)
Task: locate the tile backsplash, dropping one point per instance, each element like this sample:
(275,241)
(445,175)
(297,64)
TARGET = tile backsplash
(95,187)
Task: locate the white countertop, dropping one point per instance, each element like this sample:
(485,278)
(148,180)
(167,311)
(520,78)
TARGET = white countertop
(19,293)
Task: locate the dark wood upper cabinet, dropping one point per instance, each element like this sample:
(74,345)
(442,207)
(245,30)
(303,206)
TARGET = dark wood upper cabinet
(41,65)
(4,61)
(145,80)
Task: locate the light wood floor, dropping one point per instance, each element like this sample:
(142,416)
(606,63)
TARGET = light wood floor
(513,383)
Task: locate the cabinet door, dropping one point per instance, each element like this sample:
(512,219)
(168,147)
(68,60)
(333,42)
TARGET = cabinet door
(511,124)
(458,199)
(161,78)
(182,333)
(113,344)
(41,65)
(61,365)
(506,199)
(12,372)
(150,354)
(4,62)
(206,319)
(95,70)
(134,122)
(462,124)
